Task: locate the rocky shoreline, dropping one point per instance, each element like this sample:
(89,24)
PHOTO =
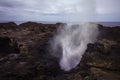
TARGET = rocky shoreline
(25,54)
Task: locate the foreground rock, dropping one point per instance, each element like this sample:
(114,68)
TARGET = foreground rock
(103,58)
(8,45)
(33,61)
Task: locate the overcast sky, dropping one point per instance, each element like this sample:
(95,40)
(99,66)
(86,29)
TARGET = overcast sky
(59,10)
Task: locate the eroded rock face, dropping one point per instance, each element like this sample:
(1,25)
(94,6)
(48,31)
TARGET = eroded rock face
(8,25)
(8,45)
(100,61)
(102,58)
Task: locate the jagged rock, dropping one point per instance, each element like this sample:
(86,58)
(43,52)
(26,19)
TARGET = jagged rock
(8,46)
(9,25)
(95,47)
(100,61)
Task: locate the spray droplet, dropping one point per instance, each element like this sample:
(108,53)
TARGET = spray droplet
(73,40)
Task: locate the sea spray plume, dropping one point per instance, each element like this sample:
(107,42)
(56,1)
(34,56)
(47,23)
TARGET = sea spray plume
(71,43)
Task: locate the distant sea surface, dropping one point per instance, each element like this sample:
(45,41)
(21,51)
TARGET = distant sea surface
(19,22)
(110,24)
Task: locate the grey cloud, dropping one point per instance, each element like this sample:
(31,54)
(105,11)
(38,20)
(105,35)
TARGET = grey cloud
(108,6)
(11,3)
(55,9)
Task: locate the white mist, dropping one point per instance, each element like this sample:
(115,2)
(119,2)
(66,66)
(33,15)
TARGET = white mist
(71,42)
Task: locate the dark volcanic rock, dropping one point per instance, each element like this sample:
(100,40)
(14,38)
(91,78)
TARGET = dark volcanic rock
(100,61)
(110,33)
(8,46)
(33,26)
(9,25)
(102,57)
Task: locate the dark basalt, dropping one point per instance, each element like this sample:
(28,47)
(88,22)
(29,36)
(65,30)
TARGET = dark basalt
(28,54)
(8,45)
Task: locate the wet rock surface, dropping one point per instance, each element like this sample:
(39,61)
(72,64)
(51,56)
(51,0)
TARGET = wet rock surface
(25,54)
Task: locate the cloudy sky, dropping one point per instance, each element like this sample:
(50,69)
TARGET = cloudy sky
(59,10)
